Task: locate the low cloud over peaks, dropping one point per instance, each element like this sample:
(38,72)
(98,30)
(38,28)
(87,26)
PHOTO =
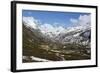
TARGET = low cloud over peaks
(45,28)
(48,28)
(83,20)
(30,22)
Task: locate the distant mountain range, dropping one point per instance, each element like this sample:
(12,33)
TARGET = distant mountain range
(55,43)
(77,34)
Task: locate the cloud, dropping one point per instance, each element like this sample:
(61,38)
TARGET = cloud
(48,29)
(74,20)
(44,28)
(83,20)
(30,22)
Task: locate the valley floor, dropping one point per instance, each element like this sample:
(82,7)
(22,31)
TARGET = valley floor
(57,55)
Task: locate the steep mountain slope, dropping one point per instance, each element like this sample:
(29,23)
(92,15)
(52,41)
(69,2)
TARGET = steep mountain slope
(76,36)
(36,46)
(55,43)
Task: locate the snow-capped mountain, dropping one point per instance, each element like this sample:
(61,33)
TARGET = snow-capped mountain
(51,31)
(76,36)
(80,32)
(30,22)
(48,42)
